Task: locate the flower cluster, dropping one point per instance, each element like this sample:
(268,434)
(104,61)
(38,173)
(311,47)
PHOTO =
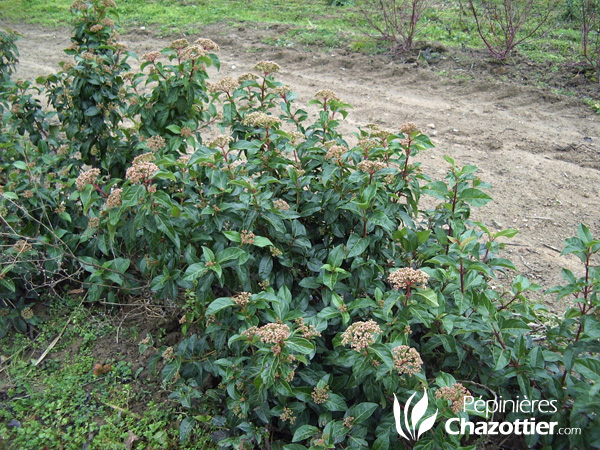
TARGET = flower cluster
(377,132)
(193,52)
(168,354)
(267,67)
(93,223)
(114,198)
(22,246)
(407,360)
(141,171)
(287,415)
(407,277)
(226,85)
(320,395)
(409,128)
(87,177)
(27,313)
(281,204)
(207,44)
(247,237)
(271,333)
(248,76)
(156,143)
(179,44)
(335,152)
(360,335)
(326,94)
(307,331)
(349,422)
(455,394)
(241,299)
(260,120)
(151,56)
(370,167)
(220,142)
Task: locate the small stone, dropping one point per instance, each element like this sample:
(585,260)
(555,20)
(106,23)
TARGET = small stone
(142,28)
(431,125)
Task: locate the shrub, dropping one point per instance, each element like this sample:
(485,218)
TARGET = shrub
(590,34)
(393,21)
(504,24)
(319,291)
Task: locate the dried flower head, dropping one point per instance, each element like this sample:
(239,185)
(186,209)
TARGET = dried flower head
(143,158)
(307,331)
(407,360)
(335,152)
(207,44)
(168,353)
(455,394)
(368,144)
(377,132)
(267,67)
(192,53)
(28,193)
(348,422)
(360,335)
(109,4)
(87,177)
(96,28)
(407,277)
(185,132)
(326,95)
(320,395)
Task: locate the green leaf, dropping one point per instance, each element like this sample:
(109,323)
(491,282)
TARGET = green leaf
(218,305)
(305,432)
(195,271)
(185,429)
(362,411)
(261,241)
(474,197)
(233,236)
(356,245)
(300,345)
(429,296)
(380,219)
(229,254)
(20,165)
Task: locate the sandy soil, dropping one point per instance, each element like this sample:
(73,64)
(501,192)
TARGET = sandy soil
(540,151)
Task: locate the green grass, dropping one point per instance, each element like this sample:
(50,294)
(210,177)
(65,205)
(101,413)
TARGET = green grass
(62,404)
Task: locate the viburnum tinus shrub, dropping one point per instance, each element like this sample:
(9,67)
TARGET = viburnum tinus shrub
(89,94)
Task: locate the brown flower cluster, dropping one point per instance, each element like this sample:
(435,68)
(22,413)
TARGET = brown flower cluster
(370,167)
(93,223)
(207,44)
(168,354)
(151,56)
(260,120)
(247,237)
(326,94)
(349,422)
(96,28)
(335,152)
(271,333)
(156,143)
(407,360)
(179,44)
(320,395)
(241,299)
(87,177)
(281,204)
(360,335)
(193,52)
(185,132)
(287,415)
(227,85)
(142,170)
(377,132)
(455,394)
(220,142)
(368,144)
(114,198)
(22,246)
(27,313)
(307,331)
(409,128)
(267,67)
(407,277)
(247,76)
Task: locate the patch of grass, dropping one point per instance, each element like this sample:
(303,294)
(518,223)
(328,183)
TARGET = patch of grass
(62,403)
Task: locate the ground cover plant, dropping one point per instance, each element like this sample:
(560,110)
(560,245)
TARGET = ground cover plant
(317,286)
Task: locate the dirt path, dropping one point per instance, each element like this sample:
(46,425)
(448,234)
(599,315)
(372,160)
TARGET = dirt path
(539,151)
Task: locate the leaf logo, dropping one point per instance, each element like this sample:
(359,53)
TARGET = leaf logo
(416,418)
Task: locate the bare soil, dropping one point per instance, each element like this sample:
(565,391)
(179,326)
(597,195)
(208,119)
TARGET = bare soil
(539,150)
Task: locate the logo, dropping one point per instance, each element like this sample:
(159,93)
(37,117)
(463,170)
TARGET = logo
(416,417)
